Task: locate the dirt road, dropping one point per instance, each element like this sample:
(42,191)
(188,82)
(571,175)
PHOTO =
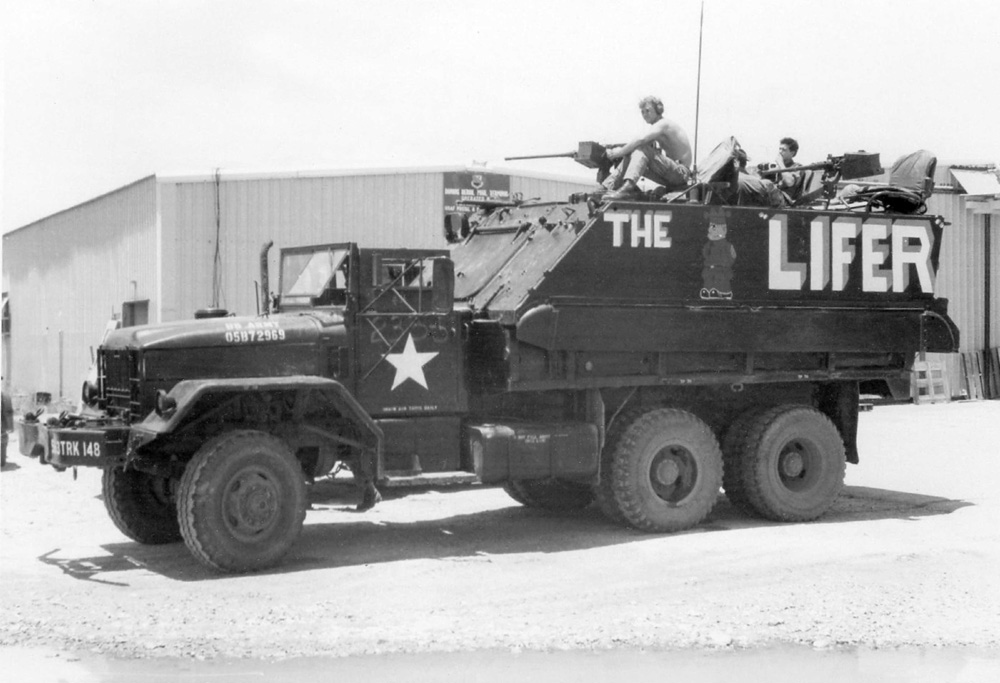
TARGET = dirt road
(909,557)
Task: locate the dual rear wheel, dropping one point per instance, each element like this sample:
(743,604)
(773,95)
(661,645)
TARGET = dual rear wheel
(784,463)
(662,469)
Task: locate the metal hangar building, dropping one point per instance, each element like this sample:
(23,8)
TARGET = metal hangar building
(161,248)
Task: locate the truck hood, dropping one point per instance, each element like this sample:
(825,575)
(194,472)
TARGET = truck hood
(216,332)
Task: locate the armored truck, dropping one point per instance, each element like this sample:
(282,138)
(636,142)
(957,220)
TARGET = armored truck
(640,356)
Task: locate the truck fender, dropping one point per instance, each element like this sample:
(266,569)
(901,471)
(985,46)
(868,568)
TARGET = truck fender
(185,395)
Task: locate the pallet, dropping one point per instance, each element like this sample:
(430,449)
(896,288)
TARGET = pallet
(929,383)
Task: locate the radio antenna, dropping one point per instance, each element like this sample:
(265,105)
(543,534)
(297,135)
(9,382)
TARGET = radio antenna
(697,97)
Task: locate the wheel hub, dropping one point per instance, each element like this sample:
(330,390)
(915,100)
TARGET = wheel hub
(667,472)
(251,503)
(792,464)
(673,474)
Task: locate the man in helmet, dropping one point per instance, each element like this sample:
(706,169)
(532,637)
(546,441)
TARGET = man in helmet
(662,154)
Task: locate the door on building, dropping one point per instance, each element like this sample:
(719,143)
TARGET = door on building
(135,313)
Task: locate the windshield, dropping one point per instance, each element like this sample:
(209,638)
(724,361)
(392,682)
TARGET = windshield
(309,274)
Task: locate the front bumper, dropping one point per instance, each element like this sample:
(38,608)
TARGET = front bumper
(88,445)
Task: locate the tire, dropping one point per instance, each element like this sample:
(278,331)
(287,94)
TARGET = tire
(550,494)
(141,505)
(514,491)
(604,490)
(733,448)
(242,501)
(792,467)
(667,471)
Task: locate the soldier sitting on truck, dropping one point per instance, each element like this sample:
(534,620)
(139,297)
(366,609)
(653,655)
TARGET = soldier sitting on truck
(791,183)
(662,154)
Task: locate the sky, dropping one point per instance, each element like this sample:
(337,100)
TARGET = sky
(99,93)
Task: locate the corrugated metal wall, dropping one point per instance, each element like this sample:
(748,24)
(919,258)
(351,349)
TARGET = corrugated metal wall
(403,209)
(960,271)
(156,239)
(395,209)
(962,279)
(67,274)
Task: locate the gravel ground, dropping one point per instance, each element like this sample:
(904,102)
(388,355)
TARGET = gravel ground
(908,558)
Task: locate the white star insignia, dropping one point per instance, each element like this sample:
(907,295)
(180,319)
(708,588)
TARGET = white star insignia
(410,364)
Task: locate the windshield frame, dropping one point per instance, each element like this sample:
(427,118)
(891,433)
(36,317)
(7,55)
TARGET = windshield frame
(307,274)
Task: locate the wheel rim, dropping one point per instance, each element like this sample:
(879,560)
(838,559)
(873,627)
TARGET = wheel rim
(799,465)
(250,503)
(673,473)
(161,490)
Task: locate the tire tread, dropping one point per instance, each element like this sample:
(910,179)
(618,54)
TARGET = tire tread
(628,496)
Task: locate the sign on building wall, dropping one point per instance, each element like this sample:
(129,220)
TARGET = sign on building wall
(469,185)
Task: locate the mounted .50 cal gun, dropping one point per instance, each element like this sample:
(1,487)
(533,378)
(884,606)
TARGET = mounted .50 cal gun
(847,167)
(589,154)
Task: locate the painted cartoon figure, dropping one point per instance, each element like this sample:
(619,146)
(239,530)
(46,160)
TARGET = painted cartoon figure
(719,257)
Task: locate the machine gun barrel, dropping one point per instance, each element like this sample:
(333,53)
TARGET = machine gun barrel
(541,156)
(589,154)
(829,164)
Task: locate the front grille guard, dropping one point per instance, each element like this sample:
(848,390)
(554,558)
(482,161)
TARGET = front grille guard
(118,379)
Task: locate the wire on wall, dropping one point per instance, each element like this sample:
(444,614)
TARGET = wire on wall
(217,263)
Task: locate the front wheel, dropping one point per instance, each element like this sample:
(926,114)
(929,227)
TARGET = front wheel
(242,501)
(667,471)
(141,505)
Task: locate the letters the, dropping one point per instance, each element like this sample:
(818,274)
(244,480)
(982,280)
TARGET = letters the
(649,229)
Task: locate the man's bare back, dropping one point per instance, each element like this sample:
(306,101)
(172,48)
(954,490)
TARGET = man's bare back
(673,141)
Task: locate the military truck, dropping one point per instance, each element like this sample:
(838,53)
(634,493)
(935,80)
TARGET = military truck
(636,355)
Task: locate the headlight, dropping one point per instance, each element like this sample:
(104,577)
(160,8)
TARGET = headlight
(165,404)
(89,394)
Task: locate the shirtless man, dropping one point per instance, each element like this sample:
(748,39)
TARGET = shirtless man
(663,154)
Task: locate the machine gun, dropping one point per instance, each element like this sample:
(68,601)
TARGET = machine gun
(589,154)
(847,167)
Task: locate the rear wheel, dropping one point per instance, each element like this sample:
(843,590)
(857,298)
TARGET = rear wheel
(242,501)
(792,466)
(141,505)
(667,470)
(604,489)
(550,494)
(733,447)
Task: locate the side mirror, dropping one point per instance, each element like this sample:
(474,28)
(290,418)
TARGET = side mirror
(443,294)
